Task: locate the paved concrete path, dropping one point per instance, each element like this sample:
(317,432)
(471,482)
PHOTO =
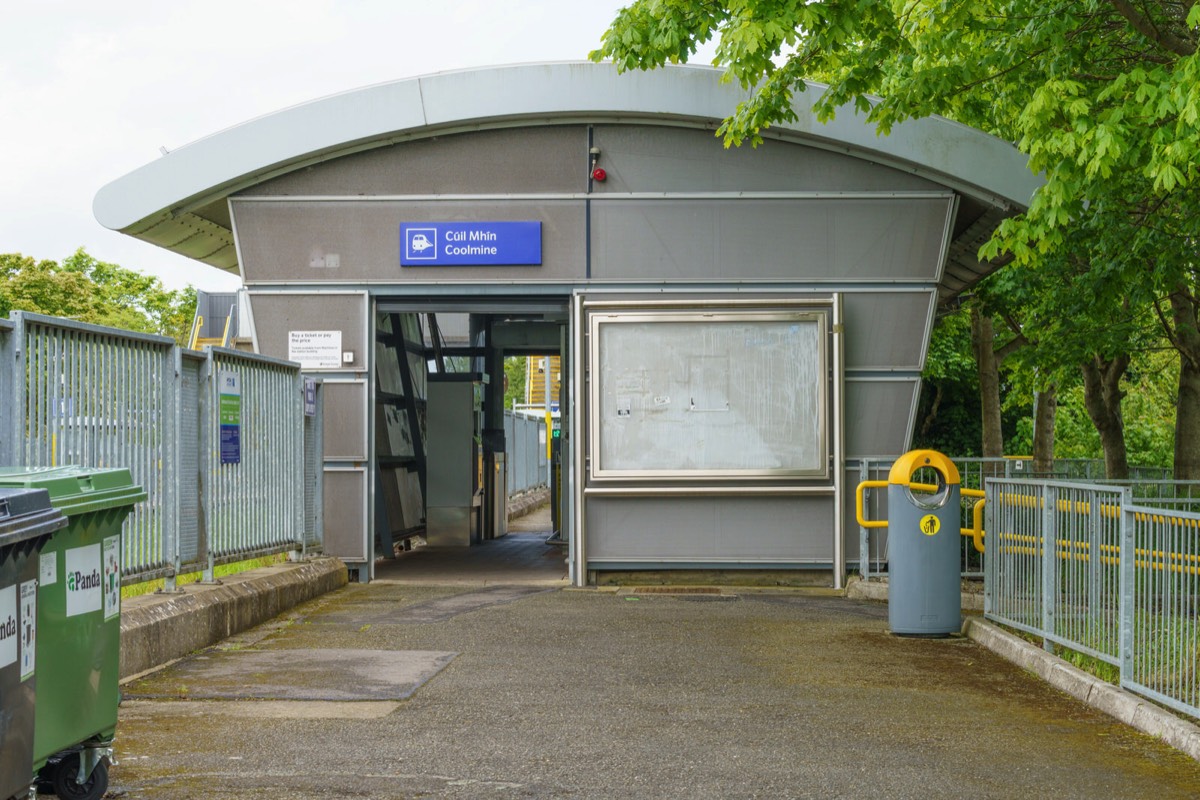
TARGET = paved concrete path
(540,692)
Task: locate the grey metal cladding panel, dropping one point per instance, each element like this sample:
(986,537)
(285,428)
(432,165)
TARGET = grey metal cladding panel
(448,444)
(703,528)
(650,158)
(835,238)
(215,310)
(877,416)
(887,330)
(344,417)
(513,160)
(289,240)
(345,523)
(275,315)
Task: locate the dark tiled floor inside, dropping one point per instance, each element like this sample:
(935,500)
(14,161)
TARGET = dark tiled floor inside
(520,558)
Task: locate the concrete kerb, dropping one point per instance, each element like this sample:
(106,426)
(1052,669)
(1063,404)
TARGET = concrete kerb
(527,502)
(1101,695)
(160,628)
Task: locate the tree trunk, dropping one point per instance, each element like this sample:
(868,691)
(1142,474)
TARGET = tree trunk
(1186,337)
(1045,406)
(934,407)
(1102,398)
(983,338)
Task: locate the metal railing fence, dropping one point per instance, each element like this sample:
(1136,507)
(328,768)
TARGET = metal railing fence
(7,373)
(872,542)
(1149,485)
(525,444)
(1162,493)
(86,395)
(1086,567)
(252,494)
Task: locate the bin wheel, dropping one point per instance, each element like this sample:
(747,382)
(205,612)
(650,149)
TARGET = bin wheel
(64,784)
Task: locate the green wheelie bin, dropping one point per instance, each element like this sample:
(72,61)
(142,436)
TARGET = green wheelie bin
(26,522)
(79,625)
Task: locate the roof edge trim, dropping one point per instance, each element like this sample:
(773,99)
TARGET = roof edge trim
(248,153)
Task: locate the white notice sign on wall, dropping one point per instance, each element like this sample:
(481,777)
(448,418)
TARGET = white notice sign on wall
(315,349)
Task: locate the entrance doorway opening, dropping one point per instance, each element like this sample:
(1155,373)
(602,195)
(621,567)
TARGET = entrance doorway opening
(452,458)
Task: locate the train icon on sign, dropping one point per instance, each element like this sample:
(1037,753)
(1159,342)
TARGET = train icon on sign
(420,244)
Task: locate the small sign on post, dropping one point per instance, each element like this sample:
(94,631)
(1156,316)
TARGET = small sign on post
(230,416)
(310,397)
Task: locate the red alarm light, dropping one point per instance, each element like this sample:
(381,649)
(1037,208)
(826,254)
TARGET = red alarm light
(598,174)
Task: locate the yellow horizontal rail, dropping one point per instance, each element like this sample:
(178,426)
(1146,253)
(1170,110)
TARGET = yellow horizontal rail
(1071,550)
(975,531)
(1065,549)
(858,504)
(1109,510)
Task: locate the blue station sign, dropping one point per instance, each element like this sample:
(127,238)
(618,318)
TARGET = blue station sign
(461,244)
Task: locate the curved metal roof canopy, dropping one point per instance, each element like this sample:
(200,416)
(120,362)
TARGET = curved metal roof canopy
(178,201)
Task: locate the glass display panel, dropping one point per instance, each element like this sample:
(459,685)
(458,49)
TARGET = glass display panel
(738,394)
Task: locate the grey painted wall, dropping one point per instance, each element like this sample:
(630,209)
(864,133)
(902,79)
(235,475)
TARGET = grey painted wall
(760,530)
(669,214)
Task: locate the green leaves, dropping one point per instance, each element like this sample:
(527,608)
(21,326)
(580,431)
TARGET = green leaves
(89,290)
(1103,97)
(1103,111)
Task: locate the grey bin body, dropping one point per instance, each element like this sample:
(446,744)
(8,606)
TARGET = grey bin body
(924,585)
(26,522)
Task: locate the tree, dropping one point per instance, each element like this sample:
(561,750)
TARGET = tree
(1103,96)
(948,422)
(88,290)
(514,380)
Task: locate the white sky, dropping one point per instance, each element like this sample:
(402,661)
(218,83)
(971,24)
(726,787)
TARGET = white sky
(90,90)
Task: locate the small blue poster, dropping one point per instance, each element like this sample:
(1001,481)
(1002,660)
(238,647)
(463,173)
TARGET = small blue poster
(231,444)
(229,410)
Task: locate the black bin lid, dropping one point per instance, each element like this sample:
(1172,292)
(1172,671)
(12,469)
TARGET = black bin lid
(26,514)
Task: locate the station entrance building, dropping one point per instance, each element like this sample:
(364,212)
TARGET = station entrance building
(736,327)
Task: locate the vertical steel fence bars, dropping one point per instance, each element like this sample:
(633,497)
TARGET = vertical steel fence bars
(1013,579)
(190,546)
(8,440)
(1128,590)
(1093,549)
(18,426)
(97,397)
(1163,660)
(74,393)
(255,506)
(514,453)
(1086,569)
(205,468)
(314,475)
(864,533)
(526,451)
(295,486)
(1047,542)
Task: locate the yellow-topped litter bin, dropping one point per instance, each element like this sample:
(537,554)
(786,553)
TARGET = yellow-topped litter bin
(924,584)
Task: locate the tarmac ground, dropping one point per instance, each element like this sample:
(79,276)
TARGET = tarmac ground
(438,680)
